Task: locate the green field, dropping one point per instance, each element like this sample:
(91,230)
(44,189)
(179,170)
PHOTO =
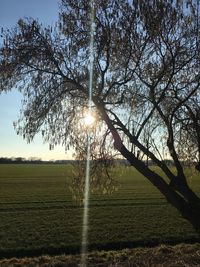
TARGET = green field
(38,215)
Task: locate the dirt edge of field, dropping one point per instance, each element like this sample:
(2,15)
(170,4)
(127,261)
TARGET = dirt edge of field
(160,256)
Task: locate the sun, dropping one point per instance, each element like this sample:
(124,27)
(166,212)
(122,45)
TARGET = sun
(89,119)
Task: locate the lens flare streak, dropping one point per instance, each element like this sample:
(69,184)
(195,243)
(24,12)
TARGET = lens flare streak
(84,245)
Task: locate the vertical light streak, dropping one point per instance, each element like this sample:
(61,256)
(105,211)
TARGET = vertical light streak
(84,245)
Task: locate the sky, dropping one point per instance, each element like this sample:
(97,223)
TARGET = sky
(12,145)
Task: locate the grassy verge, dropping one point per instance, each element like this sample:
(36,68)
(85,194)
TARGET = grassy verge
(162,256)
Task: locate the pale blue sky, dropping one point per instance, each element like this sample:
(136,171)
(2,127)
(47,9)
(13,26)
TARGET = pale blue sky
(11,145)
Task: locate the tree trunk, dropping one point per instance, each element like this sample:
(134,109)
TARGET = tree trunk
(186,201)
(189,206)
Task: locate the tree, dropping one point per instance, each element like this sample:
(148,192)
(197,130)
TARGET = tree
(145,90)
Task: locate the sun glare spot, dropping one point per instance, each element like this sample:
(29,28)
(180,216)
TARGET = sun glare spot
(89,120)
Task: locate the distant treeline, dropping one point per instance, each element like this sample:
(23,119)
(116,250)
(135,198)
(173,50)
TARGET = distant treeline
(20,160)
(34,160)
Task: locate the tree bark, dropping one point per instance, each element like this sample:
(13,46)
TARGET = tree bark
(180,196)
(188,207)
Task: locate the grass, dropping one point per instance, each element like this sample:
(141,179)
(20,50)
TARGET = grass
(162,256)
(38,215)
